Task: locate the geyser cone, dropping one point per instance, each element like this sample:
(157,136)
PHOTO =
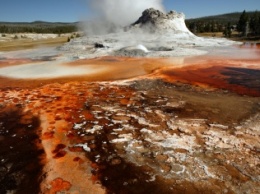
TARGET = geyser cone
(155,20)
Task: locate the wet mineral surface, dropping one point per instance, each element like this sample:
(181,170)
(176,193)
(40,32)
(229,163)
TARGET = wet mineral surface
(191,129)
(20,157)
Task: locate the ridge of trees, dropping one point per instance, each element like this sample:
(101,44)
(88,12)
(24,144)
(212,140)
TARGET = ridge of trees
(227,17)
(246,23)
(38,27)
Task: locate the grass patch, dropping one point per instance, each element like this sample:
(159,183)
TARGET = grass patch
(210,34)
(18,44)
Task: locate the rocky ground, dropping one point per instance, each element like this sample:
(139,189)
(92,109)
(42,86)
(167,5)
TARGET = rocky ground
(154,34)
(135,124)
(135,137)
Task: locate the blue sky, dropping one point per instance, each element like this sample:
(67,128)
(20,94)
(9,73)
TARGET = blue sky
(75,10)
(199,8)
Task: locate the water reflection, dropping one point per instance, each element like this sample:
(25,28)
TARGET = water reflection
(109,68)
(251,45)
(243,51)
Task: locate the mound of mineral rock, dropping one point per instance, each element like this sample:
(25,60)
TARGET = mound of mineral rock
(156,21)
(158,33)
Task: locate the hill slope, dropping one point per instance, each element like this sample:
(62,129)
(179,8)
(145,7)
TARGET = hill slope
(223,18)
(37,27)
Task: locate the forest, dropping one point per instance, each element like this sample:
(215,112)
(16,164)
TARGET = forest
(245,23)
(38,27)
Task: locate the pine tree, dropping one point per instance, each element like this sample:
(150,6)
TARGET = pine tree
(254,23)
(242,25)
(258,26)
(227,32)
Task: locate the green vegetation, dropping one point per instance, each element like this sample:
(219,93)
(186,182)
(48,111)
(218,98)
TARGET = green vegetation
(247,24)
(242,25)
(212,23)
(37,27)
(227,31)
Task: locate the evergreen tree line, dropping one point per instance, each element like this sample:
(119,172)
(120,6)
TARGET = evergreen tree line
(247,24)
(205,26)
(52,28)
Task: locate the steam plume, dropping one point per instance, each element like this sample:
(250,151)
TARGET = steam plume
(119,13)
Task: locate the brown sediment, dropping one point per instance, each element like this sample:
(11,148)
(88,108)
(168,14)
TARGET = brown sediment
(110,162)
(217,77)
(21,151)
(112,68)
(220,74)
(56,108)
(204,71)
(59,185)
(59,151)
(12,62)
(107,138)
(48,135)
(64,106)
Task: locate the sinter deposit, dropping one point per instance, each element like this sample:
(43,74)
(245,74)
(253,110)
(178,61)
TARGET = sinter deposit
(179,125)
(154,34)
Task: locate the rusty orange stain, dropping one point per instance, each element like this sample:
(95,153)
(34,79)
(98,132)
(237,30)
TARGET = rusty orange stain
(209,73)
(47,135)
(62,102)
(88,115)
(59,185)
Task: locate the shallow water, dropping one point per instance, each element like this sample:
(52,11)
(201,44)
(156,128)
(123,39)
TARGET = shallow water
(132,137)
(19,68)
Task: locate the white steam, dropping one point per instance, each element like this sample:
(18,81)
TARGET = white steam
(123,12)
(118,13)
